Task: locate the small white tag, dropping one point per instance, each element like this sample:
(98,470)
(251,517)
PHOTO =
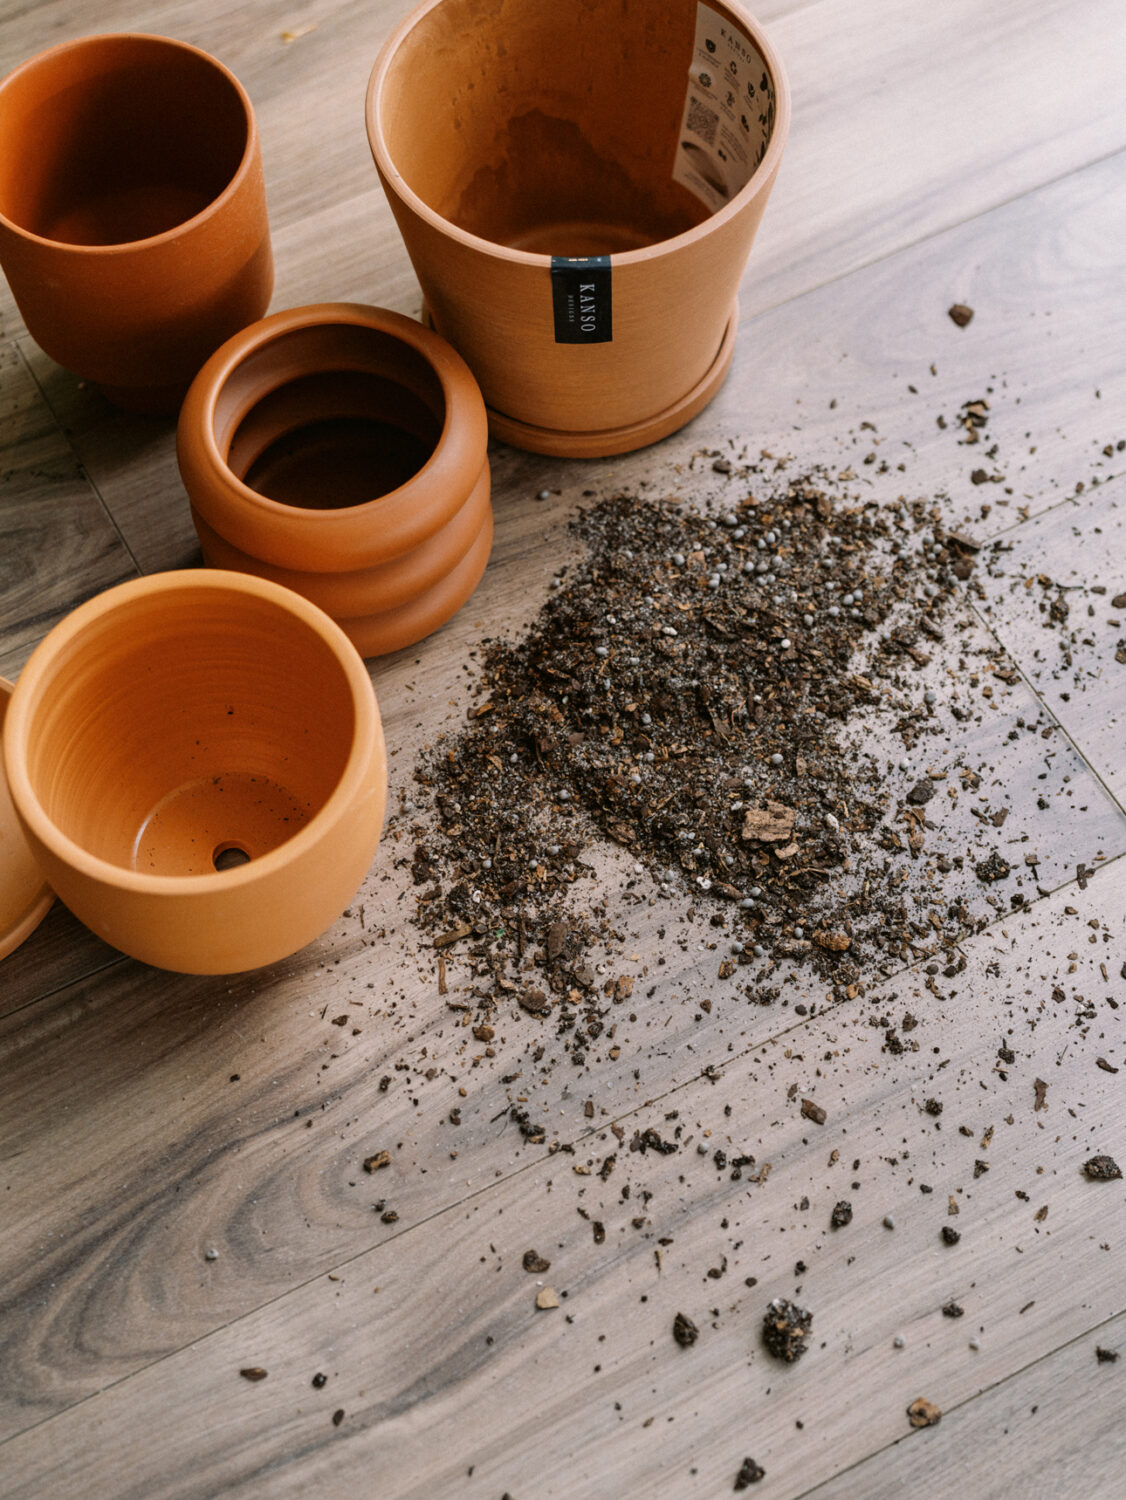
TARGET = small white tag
(728,112)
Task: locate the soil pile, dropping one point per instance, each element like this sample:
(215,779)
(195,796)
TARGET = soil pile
(686,692)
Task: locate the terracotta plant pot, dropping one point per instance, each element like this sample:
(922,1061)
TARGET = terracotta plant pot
(340,450)
(25,897)
(578,188)
(198,764)
(133,227)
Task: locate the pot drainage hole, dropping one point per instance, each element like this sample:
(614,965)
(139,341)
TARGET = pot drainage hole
(230,856)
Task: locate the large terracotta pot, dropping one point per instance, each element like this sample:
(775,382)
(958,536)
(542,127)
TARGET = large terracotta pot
(197,762)
(578,188)
(133,228)
(341,450)
(25,897)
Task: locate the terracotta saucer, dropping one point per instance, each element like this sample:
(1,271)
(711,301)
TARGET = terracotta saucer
(606,442)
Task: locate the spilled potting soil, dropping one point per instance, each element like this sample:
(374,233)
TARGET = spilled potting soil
(691,692)
(761,749)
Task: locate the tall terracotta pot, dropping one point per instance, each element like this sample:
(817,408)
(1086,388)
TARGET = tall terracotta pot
(133,229)
(197,762)
(578,188)
(341,450)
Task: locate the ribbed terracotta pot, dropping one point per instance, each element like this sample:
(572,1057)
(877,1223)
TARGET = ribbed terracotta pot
(578,188)
(133,229)
(340,450)
(197,762)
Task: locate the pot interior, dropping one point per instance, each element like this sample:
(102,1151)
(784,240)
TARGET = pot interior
(571,129)
(328,418)
(188,731)
(117,138)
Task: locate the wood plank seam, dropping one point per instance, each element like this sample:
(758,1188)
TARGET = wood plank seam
(1061,730)
(79,465)
(993,1385)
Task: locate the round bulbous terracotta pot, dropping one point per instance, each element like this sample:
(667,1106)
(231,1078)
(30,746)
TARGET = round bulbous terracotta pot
(578,188)
(341,450)
(25,896)
(133,224)
(197,761)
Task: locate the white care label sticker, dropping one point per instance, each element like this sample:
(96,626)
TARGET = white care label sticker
(728,112)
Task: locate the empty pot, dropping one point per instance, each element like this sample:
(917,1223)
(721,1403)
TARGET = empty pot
(133,229)
(341,450)
(197,762)
(578,187)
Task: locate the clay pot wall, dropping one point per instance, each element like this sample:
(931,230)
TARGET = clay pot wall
(340,450)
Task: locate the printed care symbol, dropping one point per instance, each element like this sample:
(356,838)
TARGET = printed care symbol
(709,44)
(705,80)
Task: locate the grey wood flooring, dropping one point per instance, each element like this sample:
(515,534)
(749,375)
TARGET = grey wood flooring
(940,153)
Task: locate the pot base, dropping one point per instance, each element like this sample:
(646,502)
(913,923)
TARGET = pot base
(216,822)
(604,443)
(146,400)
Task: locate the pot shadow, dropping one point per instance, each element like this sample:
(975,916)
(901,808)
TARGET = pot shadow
(127,457)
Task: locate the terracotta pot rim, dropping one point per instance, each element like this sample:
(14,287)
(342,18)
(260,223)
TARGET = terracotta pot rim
(39,897)
(245,167)
(68,632)
(760,180)
(464,424)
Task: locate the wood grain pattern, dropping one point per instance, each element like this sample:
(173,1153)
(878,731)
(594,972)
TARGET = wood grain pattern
(437,1331)
(1043,351)
(60,952)
(1050,1429)
(1051,588)
(60,546)
(907,118)
(970,110)
(939,153)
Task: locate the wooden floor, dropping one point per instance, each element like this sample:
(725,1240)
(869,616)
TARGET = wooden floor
(180,1187)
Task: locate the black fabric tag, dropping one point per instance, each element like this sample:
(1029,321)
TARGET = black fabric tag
(580,294)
